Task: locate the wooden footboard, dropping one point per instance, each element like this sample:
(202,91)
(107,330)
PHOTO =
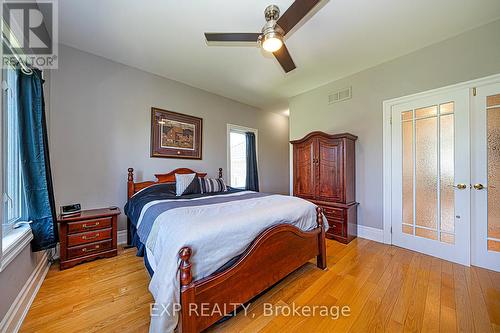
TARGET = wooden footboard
(274,254)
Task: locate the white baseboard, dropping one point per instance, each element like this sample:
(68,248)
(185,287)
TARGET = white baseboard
(122,237)
(19,308)
(370,233)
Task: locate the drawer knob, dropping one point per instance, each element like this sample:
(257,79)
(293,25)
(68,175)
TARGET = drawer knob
(90,250)
(86,226)
(93,237)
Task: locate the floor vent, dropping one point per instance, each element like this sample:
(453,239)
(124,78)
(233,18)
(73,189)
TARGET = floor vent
(339,96)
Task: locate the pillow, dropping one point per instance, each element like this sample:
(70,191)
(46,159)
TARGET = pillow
(193,187)
(168,188)
(182,181)
(210,185)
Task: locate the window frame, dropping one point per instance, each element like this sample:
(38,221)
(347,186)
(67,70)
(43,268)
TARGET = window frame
(12,241)
(7,225)
(239,129)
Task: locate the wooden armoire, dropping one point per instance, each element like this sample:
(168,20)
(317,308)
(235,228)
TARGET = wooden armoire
(324,173)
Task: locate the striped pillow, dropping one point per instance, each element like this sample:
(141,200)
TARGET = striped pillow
(209,185)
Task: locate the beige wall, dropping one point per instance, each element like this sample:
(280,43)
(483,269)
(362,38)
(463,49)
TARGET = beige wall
(471,55)
(100,126)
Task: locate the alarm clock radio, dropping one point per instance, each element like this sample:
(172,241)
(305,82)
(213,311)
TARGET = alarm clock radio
(71,209)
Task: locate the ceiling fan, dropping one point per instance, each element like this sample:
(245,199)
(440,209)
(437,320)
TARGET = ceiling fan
(273,32)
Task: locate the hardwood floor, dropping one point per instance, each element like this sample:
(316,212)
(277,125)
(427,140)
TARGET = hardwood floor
(386,288)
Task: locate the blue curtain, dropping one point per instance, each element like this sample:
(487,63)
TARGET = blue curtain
(34,151)
(252,181)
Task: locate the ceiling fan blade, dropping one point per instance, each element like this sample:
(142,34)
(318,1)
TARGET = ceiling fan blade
(232,37)
(296,12)
(284,58)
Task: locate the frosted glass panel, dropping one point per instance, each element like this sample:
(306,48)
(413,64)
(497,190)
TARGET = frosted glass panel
(408,229)
(426,172)
(493,245)
(448,238)
(407,115)
(446,108)
(425,112)
(431,234)
(407,128)
(447,194)
(493,126)
(493,100)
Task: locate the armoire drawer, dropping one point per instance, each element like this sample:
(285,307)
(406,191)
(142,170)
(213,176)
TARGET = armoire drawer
(333,213)
(336,228)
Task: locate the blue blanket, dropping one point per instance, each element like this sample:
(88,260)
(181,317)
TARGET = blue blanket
(160,192)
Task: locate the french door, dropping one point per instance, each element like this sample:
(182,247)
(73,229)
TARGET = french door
(430,192)
(485,164)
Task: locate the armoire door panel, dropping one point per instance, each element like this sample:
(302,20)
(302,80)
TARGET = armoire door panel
(330,175)
(304,184)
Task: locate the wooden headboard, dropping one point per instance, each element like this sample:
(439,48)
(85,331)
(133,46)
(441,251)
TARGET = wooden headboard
(133,187)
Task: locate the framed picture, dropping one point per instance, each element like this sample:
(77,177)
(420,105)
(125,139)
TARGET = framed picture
(175,135)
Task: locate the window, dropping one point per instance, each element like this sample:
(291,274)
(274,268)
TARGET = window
(12,178)
(237,154)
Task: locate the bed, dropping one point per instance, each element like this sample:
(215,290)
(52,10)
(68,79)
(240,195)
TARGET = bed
(216,251)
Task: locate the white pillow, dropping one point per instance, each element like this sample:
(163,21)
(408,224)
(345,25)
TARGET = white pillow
(182,181)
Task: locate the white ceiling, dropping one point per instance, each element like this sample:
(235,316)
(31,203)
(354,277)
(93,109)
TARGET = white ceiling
(165,37)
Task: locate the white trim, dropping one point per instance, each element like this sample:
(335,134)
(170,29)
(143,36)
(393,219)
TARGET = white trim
(122,237)
(370,233)
(387,139)
(458,86)
(242,129)
(2,72)
(13,243)
(387,173)
(19,308)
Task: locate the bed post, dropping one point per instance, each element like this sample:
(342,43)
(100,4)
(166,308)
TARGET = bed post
(185,267)
(130,193)
(220,172)
(321,258)
(187,323)
(130,183)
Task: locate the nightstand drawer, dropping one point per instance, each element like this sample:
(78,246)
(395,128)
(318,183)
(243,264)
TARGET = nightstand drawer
(89,237)
(80,251)
(88,225)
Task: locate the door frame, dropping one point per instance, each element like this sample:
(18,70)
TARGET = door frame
(387,138)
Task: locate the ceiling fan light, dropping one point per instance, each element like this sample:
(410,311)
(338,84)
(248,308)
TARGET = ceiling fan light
(272,42)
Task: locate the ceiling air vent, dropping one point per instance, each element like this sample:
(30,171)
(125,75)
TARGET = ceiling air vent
(339,96)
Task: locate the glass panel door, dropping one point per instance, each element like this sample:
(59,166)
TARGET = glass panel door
(430,170)
(486,178)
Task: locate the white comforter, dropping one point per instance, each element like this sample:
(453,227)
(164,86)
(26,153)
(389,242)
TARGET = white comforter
(216,233)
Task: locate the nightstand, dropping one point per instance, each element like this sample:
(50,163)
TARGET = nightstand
(86,236)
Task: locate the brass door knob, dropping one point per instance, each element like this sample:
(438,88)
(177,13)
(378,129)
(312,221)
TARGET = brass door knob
(479,186)
(461,186)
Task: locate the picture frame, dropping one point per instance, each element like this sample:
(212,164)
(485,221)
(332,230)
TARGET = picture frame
(176,135)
